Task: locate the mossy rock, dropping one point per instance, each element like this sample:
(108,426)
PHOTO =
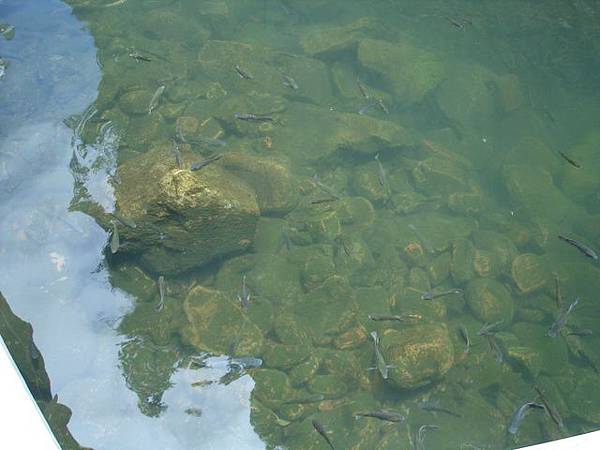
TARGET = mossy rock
(461,266)
(304,371)
(410,71)
(316,270)
(184,219)
(356,213)
(434,175)
(328,385)
(529,272)
(216,324)
(439,269)
(271,387)
(490,301)
(289,331)
(284,357)
(328,41)
(584,401)
(420,355)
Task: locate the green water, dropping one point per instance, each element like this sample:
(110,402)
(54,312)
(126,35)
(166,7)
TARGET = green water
(478,100)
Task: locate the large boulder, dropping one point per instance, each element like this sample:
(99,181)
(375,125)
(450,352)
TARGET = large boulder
(418,355)
(490,301)
(184,218)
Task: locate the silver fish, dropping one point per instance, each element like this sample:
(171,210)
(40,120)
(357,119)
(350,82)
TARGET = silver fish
(379,360)
(242,73)
(114,240)
(552,413)
(362,90)
(156,98)
(397,317)
(382,106)
(162,289)
(383,414)
(290,82)
(495,348)
(430,295)
(464,333)
(381,171)
(434,406)
(321,430)
(489,328)
(253,117)
(587,251)
(244,297)
(177,153)
(519,415)
(420,440)
(200,164)
(562,319)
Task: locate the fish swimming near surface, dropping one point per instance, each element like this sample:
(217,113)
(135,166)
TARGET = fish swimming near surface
(495,348)
(569,160)
(253,117)
(243,74)
(138,57)
(115,242)
(587,251)
(464,333)
(289,82)
(317,426)
(383,414)
(430,295)
(200,164)
(562,319)
(519,415)
(154,101)
(379,360)
(162,289)
(434,406)
(380,171)
(244,297)
(396,317)
(362,89)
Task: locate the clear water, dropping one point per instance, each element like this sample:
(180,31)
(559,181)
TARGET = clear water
(487,110)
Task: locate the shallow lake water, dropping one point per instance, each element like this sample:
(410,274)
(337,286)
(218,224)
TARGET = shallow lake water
(261,223)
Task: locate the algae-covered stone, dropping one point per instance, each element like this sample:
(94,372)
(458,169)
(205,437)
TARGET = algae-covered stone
(316,270)
(461,266)
(276,191)
(184,219)
(500,247)
(471,203)
(434,175)
(328,385)
(271,386)
(410,71)
(489,300)
(289,331)
(356,213)
(276,279)
(327,41)
(304,371)
(529,272)
(285,357)
(135,102)
(134,281)
(439,269)
(366,183)
(419,355)
(216,324)
(509,92)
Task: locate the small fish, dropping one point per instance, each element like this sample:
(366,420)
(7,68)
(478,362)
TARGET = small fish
(435,406)
(495,348)
(519,415)
(200,164)
(156,98)
(380,171)
(383,414)
(464,333)
(308,399)
(317,426)
(177,153)
(242,73)
(399,318)
(325,188)
(583,332)
(382,106)
(549,409)
(489,328)
(139,57)
(290,82)
(562,319)
(124,220)
(379,360)
(557,294)
(244,298)
(323,200)
(569,160)
(362,89)
(162,289)
(430,295)
(587,251)
(114,240)
(420,440)
(253,117)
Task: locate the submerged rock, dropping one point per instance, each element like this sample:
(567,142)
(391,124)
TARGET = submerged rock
(529,272)
(420,355)
(184,218)
(490,301)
